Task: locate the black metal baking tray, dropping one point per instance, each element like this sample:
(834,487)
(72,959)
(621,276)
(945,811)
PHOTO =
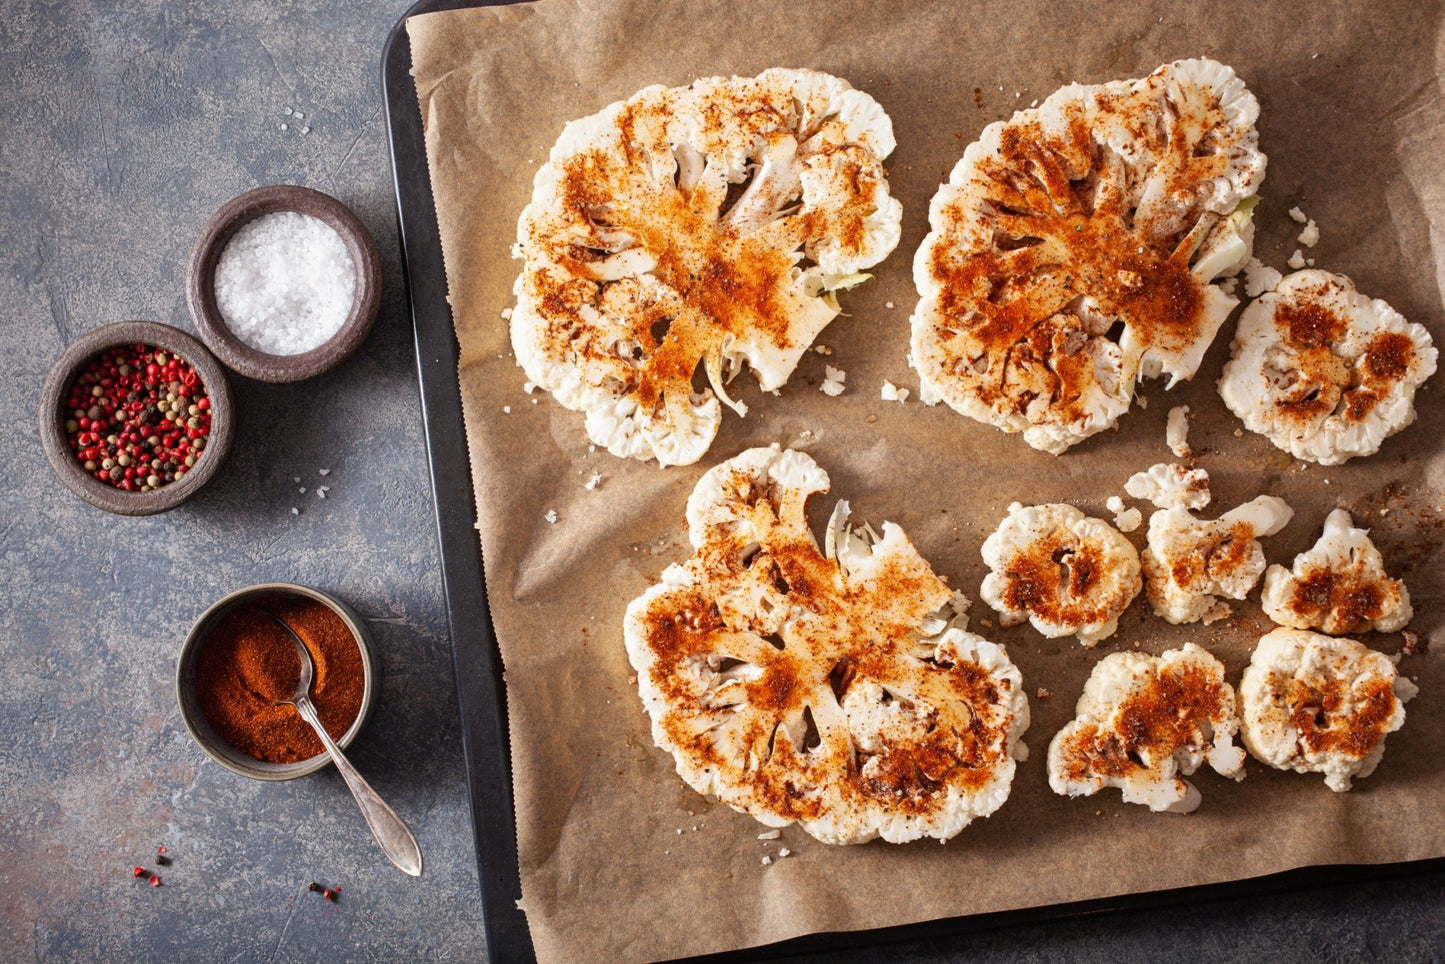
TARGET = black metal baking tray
(475,655)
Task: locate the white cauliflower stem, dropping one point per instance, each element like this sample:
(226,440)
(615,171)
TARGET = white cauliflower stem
(1339,586)
(1064,572)
(1190,561)
(1141,722)
(666,235)
(838,689)
(1317,704)
(1324,372)
(1108,207)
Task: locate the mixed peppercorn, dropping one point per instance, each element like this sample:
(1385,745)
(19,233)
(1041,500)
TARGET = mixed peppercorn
(138,417)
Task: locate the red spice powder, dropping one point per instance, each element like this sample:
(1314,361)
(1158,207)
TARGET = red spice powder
(248,665)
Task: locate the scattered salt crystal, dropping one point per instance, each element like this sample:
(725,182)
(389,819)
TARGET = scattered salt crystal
(506,410)
(320,493)
(323,488)
(534,401)
(296,478)
(529,387)
(324,471)
(285,127)
(892,393)
(299,116)
(1327,481)
(1176,431)
(1296,260)
(767,861)
(302,490)
(1259,278)
(1297,216)
(593,482)
(287,112)
(888,305)
(784,852)
(773,834)
(1310,236)
(285,283)
(679,831)
(1034,104)
(591,448)
(295,511)
(551,516)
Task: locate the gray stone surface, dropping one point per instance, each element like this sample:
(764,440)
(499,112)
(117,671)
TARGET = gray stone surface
(123,126)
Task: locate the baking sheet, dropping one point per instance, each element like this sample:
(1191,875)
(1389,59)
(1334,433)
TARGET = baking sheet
(599,808)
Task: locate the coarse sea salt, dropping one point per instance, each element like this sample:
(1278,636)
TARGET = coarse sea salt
(285,283)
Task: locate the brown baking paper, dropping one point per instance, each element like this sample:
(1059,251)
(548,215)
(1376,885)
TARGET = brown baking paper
(619,859)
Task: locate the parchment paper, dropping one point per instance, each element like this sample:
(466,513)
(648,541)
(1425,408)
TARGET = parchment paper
(620,860)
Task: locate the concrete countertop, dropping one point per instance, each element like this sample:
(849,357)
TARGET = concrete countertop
(123,126)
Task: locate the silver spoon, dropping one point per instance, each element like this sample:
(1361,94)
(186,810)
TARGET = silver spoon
(390,832)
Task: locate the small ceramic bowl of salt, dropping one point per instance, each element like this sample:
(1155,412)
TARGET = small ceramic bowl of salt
(284,283)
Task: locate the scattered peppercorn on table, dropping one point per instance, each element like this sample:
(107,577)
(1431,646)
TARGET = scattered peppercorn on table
(125,128)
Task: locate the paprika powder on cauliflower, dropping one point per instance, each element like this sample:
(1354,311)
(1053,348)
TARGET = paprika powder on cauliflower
(835,688)
(1112,205)
(668,231)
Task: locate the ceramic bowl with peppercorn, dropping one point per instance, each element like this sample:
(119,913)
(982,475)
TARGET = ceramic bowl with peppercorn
(237,668)
(136,417)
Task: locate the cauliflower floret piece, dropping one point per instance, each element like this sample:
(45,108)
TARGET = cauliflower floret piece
(667,232)
(1259,278)
(1169,485)
(1320,704)
(1125,520)
(838,689)
(1064,572)
(1339,586)
(1324,372)
(1176,432)
(1190,561)
(1144,720)
(1117,203)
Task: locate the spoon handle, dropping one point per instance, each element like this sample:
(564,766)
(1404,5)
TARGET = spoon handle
(390,832)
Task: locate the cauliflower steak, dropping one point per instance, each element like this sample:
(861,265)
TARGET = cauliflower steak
(1324,372)
(670,231)
(1142,722)
(1107,208)
(836,688)
(1317,704)
(1338,586)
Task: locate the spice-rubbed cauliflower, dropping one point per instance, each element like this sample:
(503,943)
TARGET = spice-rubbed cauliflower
(668,231)
(1144,720)
(1339,586)
(838,689)
(1324,372)
(1169,484)
(1190,561)
(1063,571)
(1319,704)
(1112,205)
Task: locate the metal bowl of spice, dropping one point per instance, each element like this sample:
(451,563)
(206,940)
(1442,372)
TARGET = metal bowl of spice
(136,417)
(284,283)
(237,667)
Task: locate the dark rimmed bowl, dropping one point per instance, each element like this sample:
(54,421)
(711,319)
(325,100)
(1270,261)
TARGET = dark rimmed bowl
(201,284)
(195,720)
(54,440)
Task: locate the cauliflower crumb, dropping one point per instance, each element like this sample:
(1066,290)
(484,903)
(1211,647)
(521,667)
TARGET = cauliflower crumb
(773,834)
(784,852)
(888,305)
(551,516)
(1042,694)
(1176,432)
(1296,260)
(1415,644)
(1310,236)
(593,482)
(767,861)
(1297,216)
(822,349)
(892,393)
(1129,520)
(1259,278)
(529,387)
(506,314)
(833,379)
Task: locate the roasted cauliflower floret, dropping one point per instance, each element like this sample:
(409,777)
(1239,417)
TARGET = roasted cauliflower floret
(1063,571)
(1169,485)
(667,232)
(1112,205)
(1144,720)
(1339,586)
(838,689)
(1319,704)
(1190,561)
(1324,372)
